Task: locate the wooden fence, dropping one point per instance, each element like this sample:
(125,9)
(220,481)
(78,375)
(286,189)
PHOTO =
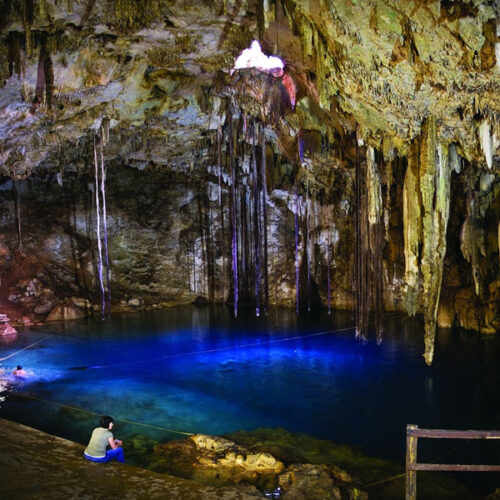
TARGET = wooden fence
(412,466)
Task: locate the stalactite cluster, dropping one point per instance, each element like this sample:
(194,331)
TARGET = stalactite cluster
(426,211)
(328,181)
(45,77)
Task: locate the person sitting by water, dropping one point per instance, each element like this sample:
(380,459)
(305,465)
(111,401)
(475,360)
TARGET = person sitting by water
(19,372)
(99,441)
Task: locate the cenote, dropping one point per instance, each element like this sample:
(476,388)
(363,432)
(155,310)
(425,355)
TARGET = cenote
(189,189)
(200,370)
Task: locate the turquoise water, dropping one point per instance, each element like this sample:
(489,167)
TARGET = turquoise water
(197,369)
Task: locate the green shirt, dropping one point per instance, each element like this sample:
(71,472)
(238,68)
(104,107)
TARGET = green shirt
(98,442)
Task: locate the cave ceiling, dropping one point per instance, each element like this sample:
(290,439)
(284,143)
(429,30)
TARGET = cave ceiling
(158,74)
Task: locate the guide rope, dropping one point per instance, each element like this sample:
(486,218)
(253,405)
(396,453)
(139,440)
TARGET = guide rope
(191,353)
(77,408)
(23,349)
(227,348)
(405,473)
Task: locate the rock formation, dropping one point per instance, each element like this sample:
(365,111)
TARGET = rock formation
(215,460)
(5,327)
(382,129)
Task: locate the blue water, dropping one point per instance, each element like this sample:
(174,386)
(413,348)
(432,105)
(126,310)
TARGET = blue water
(197,369)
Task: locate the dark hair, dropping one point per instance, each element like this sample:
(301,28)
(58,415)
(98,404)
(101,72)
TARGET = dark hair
(105,420)
(19,367)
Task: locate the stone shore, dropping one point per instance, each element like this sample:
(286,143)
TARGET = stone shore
(34,464)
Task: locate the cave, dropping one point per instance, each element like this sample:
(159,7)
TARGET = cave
(274,224)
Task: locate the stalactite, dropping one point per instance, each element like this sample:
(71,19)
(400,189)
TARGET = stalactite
(49,80)
(375,210)
(88,10)
(296,220)
(412,228)
(257,233)
(14,54)
(45,77)
(105,219)
(40,81)
(259,4)
(435,188)
(387,206)
(264,217)
(426,202)
(98,228)
(486,142)
(27,23)
(234,240)
(362,288)
(472,240)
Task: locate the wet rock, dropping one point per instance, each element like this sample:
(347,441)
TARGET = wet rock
(135,302)
(446,310)
(318,482)
(66,311)
(5,326)
(81,303)
(467,305)
(161,88)
(217,461)
(26,320)
(220,461)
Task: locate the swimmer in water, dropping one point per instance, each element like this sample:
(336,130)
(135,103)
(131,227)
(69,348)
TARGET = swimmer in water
(19,372)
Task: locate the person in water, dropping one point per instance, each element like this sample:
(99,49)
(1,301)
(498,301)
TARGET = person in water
(19,372)
(102,438)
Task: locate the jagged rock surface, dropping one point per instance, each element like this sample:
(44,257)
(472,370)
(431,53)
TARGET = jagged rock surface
(215,460)
(406,91)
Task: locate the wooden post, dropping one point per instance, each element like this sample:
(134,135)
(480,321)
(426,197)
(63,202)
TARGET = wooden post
(411,460)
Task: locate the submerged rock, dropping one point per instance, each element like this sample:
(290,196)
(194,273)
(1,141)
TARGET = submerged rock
(219,461)
(216,460)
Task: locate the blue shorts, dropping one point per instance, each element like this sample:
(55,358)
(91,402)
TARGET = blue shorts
(116,454)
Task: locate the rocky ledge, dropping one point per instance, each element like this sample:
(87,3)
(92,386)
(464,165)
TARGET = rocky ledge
(218,461)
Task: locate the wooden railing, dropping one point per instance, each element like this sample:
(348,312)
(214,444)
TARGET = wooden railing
(412,466)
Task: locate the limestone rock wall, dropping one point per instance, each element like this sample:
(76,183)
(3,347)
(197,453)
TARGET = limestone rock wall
(385,109)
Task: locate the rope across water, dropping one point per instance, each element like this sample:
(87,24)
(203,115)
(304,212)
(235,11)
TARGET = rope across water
(77,408)
(227,348)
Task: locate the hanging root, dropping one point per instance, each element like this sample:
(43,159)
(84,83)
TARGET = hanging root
(296,220)
(98,228)
(234,240)
(17,202)
(257,235)
(264,217)
(105,137)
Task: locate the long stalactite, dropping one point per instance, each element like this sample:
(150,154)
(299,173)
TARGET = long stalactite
(425,216)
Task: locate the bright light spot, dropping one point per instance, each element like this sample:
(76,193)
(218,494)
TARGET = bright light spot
(255,58)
